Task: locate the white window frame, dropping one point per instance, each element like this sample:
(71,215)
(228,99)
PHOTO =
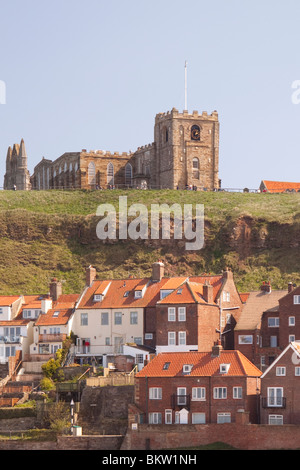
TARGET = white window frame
(155,393)
(292,338)
(292,321)
(275,420)
(198,394)
(196,420)
(155,418)
(223,418)
(237,393)
(171,314)
(171,338)
(220,393)
(296,299)
(133,318)
(181,396)
(118,318)
(168,417)
(181,314)
(274,398)
(280,371)
(297,371)
(104,318)
(84,321)
(276,322)
(182,338)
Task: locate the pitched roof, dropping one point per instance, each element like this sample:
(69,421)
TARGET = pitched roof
(203,365)
(256,304)
(280,186)
(216,281)
(8,300)
(61,311)
(295,346)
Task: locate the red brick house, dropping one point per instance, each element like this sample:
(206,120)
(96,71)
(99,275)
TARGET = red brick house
(289,314)
(280,388)
(194,314)
(197,387)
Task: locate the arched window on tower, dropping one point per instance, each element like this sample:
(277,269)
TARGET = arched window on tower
(91,173)
(110,174)
(196,168)
(128,174)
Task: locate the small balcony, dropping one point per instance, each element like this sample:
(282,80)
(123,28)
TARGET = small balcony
(180,401)
(273,402)
(52,338)
(10,339)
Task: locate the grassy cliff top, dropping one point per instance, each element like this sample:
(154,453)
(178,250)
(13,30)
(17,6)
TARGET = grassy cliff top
(53,233)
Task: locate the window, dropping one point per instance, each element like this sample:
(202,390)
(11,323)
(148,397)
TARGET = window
(104,318)
(245,339)
(273,322)
(107,341)
(198,418)
(273,341)
(1,310)
(154,418)
(220,393)
(128,174)
(110,174)
(166,365)
(237,392)
(118,318)
(275,396)
(171,314)
(187,368)
(91,173)
(155,393)
(181,314)
(296,299)
(138,294)
(280,371)
(133,318)
(276,419)
(98,297)
(148,335)
(223,418)
(182,337)
(56,313)
(84,319)
(291,321)
(198,393)
(226,296)
(168,416)
(196,173)
(171,338)
(297,371)
(292,338)
(224,368)
(181,396)
(137,340)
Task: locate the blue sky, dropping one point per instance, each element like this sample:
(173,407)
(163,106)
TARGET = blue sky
(94,74)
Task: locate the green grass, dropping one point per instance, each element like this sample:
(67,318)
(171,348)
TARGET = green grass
(53,233)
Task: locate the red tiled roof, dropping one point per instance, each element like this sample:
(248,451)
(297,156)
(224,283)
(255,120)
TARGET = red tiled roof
(186,293)
(215,281)
(280,186)
(203,364)
(64,306)
(7,300)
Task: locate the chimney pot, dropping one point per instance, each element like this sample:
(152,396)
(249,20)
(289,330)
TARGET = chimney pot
(157,271)
(91,274)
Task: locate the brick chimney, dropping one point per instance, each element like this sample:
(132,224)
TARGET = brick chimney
(266,287)
(55,289)
(216,349)
(290,287)
(158,271)
(91,274)
(208,293)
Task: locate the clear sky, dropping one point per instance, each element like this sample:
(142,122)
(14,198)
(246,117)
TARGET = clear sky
(94,74)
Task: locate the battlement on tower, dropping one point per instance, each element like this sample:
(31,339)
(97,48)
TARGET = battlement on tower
(174,113)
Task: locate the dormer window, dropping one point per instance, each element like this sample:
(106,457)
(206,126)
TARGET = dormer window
(126,294)
(56,313)
(187,368)
(98,297)
(224,368)
(138,294)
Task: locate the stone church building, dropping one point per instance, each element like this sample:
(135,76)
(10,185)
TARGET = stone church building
(185,153)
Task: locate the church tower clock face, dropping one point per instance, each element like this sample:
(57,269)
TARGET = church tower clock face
(195,133)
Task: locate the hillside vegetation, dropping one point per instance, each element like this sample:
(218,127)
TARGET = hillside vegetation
(45,234)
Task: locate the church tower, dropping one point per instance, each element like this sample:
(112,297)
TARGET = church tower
(187,150)
(17,175)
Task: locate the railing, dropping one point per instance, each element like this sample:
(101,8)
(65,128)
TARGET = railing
(10,339)
(181,401)
(273,402)
(54,337)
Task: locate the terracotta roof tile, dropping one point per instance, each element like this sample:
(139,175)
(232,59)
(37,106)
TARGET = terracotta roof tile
(280,186)
(204,364)
(7,300)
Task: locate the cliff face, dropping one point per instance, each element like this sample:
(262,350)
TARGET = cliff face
(35,246)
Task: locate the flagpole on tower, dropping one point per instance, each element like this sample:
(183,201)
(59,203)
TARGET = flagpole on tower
(185,85)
